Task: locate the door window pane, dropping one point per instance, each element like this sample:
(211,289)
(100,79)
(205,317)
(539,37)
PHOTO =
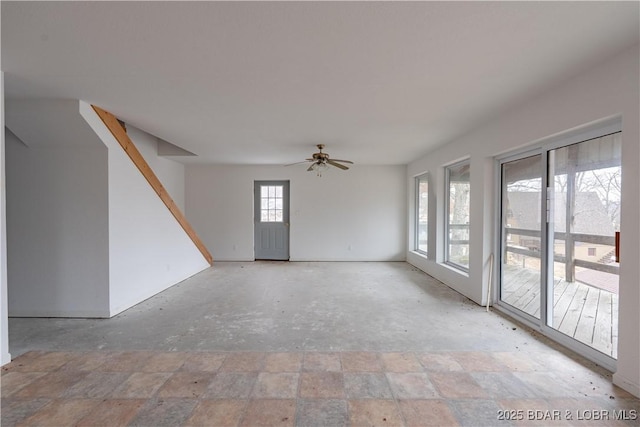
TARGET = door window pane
(458,188)
(271,203)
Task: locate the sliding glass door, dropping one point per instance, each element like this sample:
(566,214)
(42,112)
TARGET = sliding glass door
(521,234)
(585,207)
(558,224)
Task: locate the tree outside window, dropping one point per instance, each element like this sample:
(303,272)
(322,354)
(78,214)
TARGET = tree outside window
(458,190)
(422,214)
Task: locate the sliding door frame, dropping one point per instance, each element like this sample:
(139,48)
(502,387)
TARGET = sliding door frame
(544,148)
(500,161)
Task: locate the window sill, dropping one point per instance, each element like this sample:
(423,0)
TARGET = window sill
(420,254)
(454,268)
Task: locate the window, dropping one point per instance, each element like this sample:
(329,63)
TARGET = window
(422,214)
(271,203)
(457,189)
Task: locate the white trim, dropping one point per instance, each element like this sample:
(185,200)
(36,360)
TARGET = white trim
(510,311)
(92,314)
(584,133)
(417,175)
(519,154)
(627,384)
(420,254)
(455,268)
(5,356)
(579,348)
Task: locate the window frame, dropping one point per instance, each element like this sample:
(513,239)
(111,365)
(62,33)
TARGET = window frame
(417,198)
(269,198)
(447,206)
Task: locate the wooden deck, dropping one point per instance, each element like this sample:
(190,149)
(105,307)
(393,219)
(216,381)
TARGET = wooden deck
(586,313)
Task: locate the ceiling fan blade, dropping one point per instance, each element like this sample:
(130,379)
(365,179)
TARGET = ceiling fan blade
(297,163)
(338,165)
(320,160)
(343,161)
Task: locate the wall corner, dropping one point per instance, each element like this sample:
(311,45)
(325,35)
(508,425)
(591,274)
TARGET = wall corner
(5,357)
(627,384)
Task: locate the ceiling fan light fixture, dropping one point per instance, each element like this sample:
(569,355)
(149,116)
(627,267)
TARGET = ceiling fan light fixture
(319,168)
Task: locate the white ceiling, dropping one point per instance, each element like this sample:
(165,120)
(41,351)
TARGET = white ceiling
(262,83)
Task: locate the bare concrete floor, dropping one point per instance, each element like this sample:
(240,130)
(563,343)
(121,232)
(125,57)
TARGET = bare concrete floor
(298,306)
(302,344)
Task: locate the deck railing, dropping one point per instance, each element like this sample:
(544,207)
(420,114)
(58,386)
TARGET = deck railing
(570,237)
(567,237)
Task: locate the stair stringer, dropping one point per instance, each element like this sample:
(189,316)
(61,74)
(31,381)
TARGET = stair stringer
(149,251)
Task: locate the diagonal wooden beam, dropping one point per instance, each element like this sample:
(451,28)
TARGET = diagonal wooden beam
(116,129)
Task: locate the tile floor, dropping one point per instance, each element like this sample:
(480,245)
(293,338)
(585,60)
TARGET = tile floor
(209,388)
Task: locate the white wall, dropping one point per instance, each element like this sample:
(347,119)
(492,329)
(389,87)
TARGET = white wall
(87,235)
(355,215)
(57,223)
(5,357)
(169,172)
(604,91)
(148,249)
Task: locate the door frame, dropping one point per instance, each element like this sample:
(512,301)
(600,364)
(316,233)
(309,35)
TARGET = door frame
(544,147)
(286,213)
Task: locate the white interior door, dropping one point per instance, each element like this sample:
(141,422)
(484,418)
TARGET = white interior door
(271,220)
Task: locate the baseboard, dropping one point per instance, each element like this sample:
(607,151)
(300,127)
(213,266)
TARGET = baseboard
(627,384)
(92,314)
(5,358)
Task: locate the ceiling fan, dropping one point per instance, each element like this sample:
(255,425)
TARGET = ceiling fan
(320,162)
